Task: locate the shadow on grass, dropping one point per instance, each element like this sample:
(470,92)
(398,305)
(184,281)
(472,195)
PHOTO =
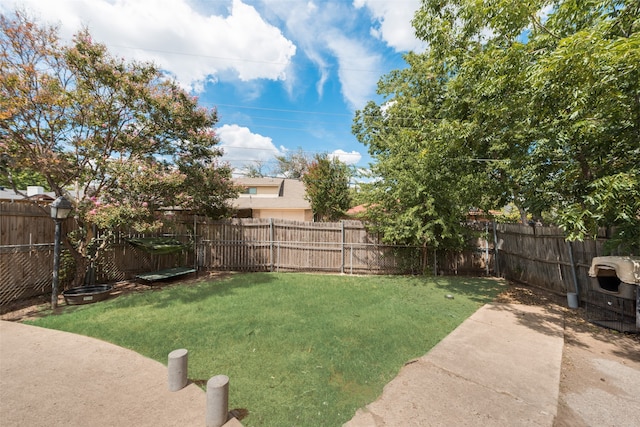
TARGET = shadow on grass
(481,290)
(168,294)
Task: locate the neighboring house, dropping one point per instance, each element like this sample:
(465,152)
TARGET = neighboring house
(262,198)
(273,198)
(32,192)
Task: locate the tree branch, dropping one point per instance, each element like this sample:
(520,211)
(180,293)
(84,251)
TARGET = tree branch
(538,24)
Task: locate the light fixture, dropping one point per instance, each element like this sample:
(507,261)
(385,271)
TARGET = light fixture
(60,210)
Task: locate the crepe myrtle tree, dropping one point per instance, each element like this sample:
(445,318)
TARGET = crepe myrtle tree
(118,138)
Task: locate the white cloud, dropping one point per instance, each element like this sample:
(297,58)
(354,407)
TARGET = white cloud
(243,148)
(358,69)
(393,21)
(324,31)
(192,46)
(307,23)
(351,158)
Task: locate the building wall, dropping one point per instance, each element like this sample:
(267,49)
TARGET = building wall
(268,190)
(289,214)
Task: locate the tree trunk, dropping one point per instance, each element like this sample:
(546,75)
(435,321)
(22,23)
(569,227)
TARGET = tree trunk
(80,264)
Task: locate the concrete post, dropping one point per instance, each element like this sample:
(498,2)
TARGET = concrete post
(178,369)
(217,401)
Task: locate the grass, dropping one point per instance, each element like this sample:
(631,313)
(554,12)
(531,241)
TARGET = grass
(299,349)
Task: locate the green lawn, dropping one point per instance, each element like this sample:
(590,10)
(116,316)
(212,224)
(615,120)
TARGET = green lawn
(299,349)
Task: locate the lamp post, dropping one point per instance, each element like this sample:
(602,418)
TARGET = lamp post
(60,210)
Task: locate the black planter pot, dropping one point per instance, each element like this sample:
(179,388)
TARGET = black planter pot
(87,294)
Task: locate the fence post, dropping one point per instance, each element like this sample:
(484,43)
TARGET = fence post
(486,241)
(342,247)
(351,259)
(271,244)
(496,266)
(425,257)
(196,249)
(573,269)
(435,262)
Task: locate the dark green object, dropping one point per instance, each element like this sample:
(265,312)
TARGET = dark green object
(158,245)
(165,274)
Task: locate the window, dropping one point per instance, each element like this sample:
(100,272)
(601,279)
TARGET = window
(251,190)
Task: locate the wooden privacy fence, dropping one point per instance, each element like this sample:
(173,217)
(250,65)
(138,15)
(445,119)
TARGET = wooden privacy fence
(236,245)
(282,245)
(262,245)
(25,271)
(535,255)
(542,257)
(26,250)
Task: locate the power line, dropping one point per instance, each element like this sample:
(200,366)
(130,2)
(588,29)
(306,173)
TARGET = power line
(284,110)
(384,119)
(291,120)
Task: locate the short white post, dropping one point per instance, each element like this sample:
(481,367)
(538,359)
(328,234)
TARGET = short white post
(217,401)
(178,368)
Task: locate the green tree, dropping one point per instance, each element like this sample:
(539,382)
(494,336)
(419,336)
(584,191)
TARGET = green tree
(587,98)
(117,138)
(429,178)
(327,187)
(533,103)
(20,178)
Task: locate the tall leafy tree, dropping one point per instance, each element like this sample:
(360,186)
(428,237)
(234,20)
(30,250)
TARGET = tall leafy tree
(429,173)
(587,98)
(327,187)
(117,138)
(534,103)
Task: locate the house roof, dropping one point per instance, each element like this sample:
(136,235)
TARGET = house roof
(357,210)
(10,195)
(291,194)
(260,182)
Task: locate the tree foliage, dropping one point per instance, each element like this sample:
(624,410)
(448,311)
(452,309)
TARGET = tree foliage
(293,164)
(116,137)
(255,169)
(534,103)
(20,178)
(327,187)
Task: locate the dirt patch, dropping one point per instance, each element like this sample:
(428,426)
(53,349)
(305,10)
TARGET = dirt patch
(600,374)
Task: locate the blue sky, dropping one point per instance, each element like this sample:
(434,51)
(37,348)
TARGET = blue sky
(283,74)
